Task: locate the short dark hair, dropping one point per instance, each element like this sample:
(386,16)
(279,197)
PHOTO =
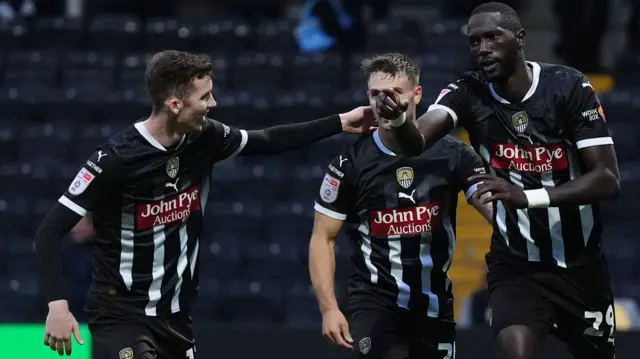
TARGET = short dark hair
(171,72)
(394,64)
(509,17)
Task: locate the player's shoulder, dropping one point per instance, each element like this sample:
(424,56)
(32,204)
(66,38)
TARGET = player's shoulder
(450,144)
(563,75)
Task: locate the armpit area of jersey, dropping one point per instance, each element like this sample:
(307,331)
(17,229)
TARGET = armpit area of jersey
(54,227)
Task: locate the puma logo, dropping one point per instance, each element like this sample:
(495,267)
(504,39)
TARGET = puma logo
(172,185)
(342,160)
(408,196)
(100,155)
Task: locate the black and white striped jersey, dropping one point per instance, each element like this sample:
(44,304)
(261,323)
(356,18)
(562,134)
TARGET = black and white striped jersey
(147,204)
(400,217)
(534,144)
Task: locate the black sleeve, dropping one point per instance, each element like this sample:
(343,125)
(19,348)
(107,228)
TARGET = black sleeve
(289,137)
(58,222)
(335,197)
(224,141)
(94,182)
(467,164)
(456,99)
(586,120)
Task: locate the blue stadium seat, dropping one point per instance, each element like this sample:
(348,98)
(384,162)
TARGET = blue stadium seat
(35,76)
(275,36)
(167,33)
(406,32)
(224,35)
(114,32)
(252,303)
(33,59)
(56,32)
(13,35)
(87,78)
(258,68)
(90,60)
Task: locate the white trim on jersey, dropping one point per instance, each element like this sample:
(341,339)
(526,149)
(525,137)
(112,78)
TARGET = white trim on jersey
(243,142)
(535,68)
(451,112)
(157,271)
(72,206)
(329,213)
(366,249)
(126,249)
(590,142)
(152,141)
(524,222)
(471,190)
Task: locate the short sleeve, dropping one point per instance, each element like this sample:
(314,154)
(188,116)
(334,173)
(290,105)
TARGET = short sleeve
(467,164)
(94,182)
(586,119)
(226,141)
(335,196)
(455,100)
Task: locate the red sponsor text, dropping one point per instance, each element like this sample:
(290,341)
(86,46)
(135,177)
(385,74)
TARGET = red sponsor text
(508,156)
(404,221)
(171,209)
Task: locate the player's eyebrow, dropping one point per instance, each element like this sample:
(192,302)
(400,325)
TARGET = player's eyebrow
(205,95)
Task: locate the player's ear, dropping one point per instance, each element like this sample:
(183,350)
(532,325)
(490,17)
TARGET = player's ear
(417,94)
(521,35)
(174,104)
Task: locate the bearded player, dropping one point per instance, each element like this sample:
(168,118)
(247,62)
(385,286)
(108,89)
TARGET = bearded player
(542,134)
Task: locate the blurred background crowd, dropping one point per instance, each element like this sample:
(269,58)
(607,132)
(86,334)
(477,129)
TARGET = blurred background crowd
(71,74)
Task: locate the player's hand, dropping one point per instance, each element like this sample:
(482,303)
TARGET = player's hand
(59,327)
(499,190)
(359,120)
(388,103)
(336,329)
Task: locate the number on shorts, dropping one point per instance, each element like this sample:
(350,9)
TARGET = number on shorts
(191,353)
(450,348)
(597,317)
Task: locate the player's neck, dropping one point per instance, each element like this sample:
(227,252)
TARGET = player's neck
(162,130)
(388,140)
(517,86)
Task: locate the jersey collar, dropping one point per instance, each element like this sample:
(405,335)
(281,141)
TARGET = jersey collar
(381,146)
(147,136)
(534,85)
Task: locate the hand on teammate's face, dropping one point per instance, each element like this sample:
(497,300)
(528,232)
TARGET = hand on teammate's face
(59,326)
(336,329)
(388,104)
(499,190)
(359,120)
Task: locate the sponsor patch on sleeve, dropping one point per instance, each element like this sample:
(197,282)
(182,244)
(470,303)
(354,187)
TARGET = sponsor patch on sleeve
(329,189)
(81,182)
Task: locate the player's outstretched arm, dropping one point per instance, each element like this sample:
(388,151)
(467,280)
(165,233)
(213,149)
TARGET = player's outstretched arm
(289,137)
(322,266)
(432,126)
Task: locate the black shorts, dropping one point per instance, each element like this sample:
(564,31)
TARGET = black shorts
(575,304)
(141,337)
(395,333)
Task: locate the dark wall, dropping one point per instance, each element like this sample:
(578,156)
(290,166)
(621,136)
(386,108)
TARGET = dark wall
(226,342)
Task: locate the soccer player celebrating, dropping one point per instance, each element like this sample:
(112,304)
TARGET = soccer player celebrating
(541,130)
(147,188)
(399,213)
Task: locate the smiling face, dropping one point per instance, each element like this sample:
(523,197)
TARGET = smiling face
(493,46)
(194,106)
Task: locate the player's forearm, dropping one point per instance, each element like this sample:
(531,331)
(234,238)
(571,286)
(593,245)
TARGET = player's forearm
(290,137)
(322,267)
(596,185)
(48,241)
(409,139)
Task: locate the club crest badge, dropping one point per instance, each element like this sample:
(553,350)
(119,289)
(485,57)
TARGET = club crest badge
(364,345)
(126,353)
(520,121)
(173,165)
(404,175)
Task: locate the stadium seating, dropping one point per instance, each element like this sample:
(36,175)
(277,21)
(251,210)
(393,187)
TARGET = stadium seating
(65,85)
